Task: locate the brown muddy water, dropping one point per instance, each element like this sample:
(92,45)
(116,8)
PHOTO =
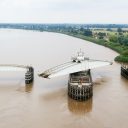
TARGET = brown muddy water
(46,104)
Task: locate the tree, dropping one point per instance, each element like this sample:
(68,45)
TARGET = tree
(119,30)
(109,29)
(87,32)
(113,38)
(102,34)
(123,40)
(81,29)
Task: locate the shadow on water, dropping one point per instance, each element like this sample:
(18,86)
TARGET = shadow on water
(16,85)
(29,87)
(26,88)
(80,108)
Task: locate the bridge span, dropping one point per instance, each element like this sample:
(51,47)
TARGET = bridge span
(73,67)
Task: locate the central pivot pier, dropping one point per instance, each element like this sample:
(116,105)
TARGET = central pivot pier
(80,85)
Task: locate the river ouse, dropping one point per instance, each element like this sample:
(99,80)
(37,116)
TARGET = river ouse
(46,104)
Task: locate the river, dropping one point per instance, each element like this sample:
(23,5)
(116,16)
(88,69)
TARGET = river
(46,104)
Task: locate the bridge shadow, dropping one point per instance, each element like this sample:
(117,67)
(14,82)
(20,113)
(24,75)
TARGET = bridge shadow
(29,87)
(80,108)
(26,88)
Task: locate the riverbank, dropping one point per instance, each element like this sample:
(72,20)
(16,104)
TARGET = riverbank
(121,49)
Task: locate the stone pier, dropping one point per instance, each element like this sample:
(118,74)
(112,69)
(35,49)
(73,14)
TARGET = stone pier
(80,86)
(124,71)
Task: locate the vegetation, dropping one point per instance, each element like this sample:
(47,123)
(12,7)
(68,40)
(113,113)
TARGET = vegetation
(123,57)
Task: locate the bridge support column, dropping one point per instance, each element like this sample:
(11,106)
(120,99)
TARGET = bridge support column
(124,71)
(29,75)
(80,86)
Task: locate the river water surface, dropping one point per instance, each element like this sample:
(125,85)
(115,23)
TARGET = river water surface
(45,104)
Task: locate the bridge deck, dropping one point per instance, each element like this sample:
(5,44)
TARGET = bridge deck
(71,67)
(13,67)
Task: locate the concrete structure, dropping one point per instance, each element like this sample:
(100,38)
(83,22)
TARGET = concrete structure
(29,75)
(80,86)
(124,71)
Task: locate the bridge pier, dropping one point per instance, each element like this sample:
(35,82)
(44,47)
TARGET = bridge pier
(29,75)
(124,71)
(80,86)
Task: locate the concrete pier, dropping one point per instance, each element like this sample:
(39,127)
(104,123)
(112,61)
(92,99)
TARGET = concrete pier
(80,86)
(29,75)
(124,71)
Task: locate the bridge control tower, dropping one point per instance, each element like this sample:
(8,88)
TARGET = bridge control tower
(80,85)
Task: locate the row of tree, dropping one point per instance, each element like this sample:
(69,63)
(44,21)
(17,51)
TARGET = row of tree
(121,39)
